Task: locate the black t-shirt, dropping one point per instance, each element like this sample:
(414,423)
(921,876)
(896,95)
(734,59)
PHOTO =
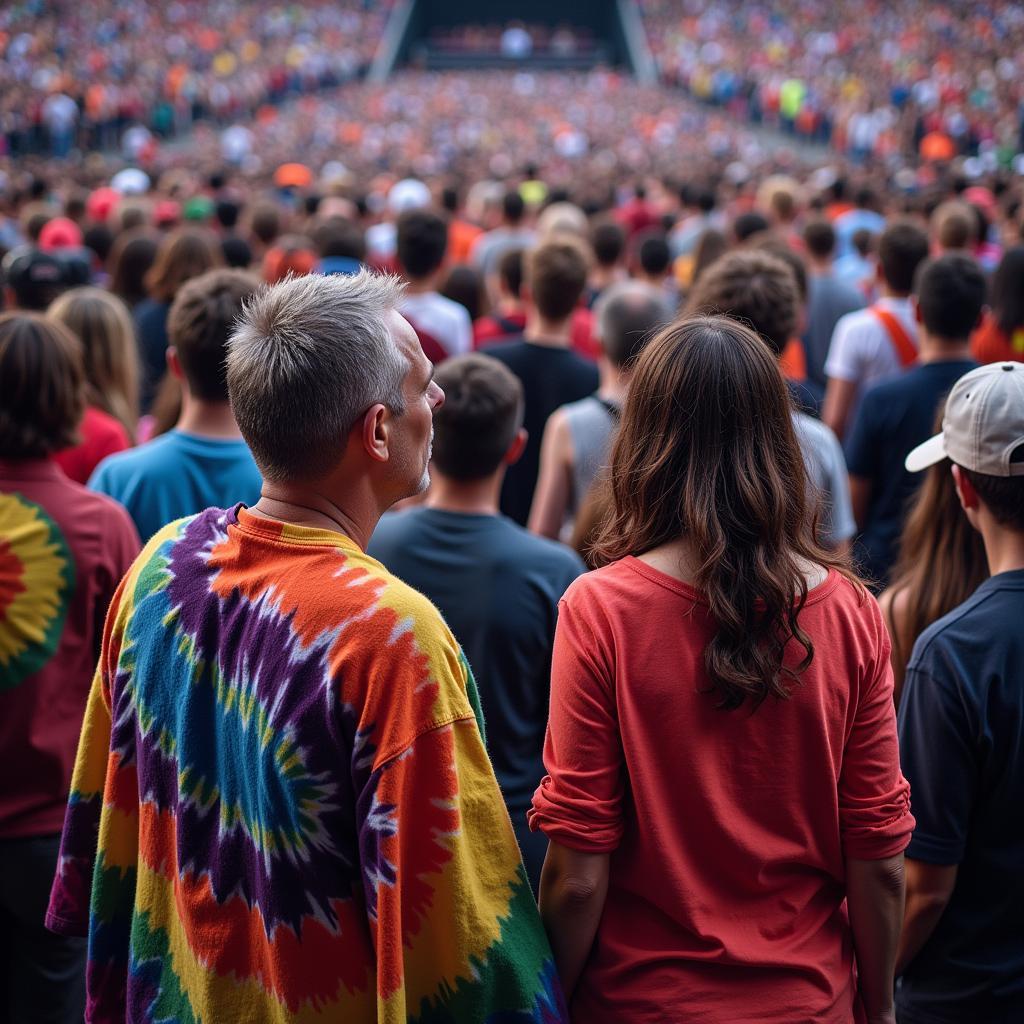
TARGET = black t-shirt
(498,588)
(551,377)
(961,727)
(893,419)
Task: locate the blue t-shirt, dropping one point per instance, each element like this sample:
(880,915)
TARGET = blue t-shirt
(175,475)
(498,588)
(893,418)
(961,725)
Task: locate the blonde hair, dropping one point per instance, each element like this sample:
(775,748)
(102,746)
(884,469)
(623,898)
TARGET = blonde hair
(102,324)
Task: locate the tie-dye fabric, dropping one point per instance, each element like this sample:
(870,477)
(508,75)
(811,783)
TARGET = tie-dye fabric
(282,809)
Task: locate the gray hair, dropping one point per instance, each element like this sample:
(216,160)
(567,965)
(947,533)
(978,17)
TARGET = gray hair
(628,315)
(307,358)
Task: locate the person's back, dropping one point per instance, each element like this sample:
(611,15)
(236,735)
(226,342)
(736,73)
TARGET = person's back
(728,860)
(897,415)
(962,734)
(723,775)
(282,803)
(496,585)
(203,462)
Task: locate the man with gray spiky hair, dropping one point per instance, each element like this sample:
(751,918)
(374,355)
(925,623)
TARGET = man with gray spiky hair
(282,805)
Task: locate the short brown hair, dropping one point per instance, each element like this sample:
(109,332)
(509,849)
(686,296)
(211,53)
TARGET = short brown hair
(954,225)
(902,248)
(754,287)
(476,424)
(182,255)
(1003,495)
(42,386)
(556,272)
(199,324)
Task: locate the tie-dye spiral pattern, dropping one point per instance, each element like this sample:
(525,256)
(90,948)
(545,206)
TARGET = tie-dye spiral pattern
(282,809)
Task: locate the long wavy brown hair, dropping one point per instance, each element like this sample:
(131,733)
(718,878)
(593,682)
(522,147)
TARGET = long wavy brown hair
(707,451)
(941,563)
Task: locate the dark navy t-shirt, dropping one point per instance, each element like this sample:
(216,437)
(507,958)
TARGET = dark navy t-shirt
(961,725)
(894,417)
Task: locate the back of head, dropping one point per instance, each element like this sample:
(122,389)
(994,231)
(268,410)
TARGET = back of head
(902,248)
(954,226)
(36,278)
(465,285)
(291,254)
(422,241)
(820,238)
(338,237)
(227,212)
(562,218)
(863,241)
(950,296)
(103,326)
(130,261)
(707,404)
(748,224)
(513,208)
(235,252)
(481,414)
(609,242)
(510,271)
(754,287)
(182,255)
(307,358)
(265,222)
(628,316)
(775,246)
(711,247)
(556,272)
(653,254)
(199,323)
(42,387)
(1008,291)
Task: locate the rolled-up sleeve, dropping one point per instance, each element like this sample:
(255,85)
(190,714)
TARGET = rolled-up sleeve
(579,802)
(874,798)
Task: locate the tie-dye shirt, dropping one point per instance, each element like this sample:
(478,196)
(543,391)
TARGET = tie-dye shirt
(282,809)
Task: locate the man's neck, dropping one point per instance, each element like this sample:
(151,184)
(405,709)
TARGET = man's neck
(820,268)
(886,292)
(469,497)
(613,382)
(941,350)
(208,419)
(552,333)
(301,505)
(1004,549)
(422,285)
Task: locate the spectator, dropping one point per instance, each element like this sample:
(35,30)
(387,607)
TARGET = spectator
(954,227)
(863,217)
(1001,336)
(465,285)
(291,254)
(443,326)
(856,267)
(897,415)
(203,461)
(496,585)
(511,233)
(941,563)
(341,246)
(962,733)
(104,329)
(131,257)
(748,225)
(63,551)
(462,232)
(828,298)
(711,246)
(304,728)
(879,342)
(723,622)
(758,289)
(608,241)
(509,316)
(33,279)
(653,265)
(578,435)
(185,254)
(551,373)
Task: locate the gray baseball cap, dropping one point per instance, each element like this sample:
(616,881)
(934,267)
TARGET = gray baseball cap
(983,424)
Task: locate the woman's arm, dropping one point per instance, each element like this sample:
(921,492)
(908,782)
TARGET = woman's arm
(874,894)
(573,887)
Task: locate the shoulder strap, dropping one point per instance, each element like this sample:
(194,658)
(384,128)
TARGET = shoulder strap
(905,348)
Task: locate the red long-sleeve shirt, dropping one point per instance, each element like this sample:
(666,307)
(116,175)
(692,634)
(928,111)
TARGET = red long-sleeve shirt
(728,831)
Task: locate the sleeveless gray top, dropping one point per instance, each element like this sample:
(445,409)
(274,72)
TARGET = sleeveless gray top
(591,426)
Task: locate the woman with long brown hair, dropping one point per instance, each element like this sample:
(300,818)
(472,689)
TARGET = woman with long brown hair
(941,563)
(723,773)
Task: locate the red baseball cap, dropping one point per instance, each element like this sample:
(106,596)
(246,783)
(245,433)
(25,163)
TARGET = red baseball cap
(60,233)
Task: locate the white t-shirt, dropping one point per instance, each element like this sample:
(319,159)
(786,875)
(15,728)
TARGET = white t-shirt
(445,321)
(862,349)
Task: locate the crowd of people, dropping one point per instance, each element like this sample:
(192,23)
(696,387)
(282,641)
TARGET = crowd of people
(900,78)
(490,547)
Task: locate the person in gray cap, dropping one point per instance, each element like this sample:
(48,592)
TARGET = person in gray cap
(961,727)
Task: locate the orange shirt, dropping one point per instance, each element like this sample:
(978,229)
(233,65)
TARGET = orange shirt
(989,344)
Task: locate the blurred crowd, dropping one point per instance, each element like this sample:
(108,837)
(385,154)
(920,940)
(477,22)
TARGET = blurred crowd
(904,78)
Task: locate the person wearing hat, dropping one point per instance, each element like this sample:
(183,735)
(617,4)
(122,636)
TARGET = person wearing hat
(961,729)
(32,278)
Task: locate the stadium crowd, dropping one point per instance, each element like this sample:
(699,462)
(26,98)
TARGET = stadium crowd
(444,579)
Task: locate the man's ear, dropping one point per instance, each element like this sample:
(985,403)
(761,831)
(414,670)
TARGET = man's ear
(174,363)
(516,448)
(375,432)
(965,490)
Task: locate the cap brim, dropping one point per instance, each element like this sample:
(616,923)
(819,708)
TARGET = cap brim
(924,455)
